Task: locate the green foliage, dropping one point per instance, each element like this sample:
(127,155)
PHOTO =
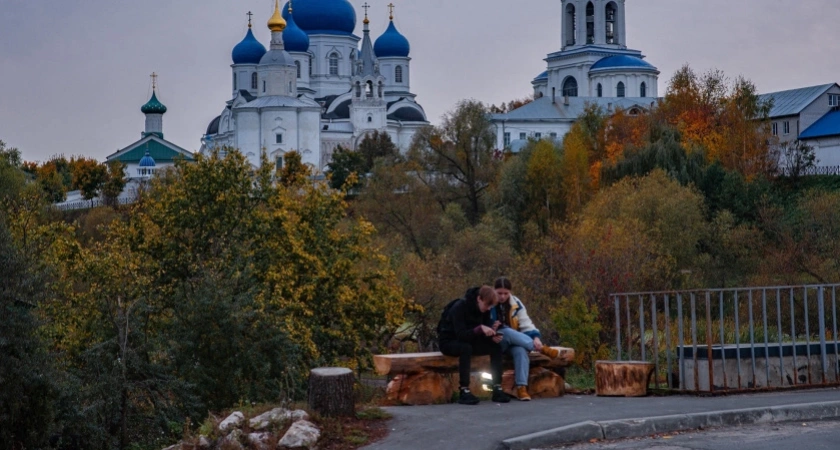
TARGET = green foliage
(577,321)
(344,164)
(30,383)
(88,177)
(114,182)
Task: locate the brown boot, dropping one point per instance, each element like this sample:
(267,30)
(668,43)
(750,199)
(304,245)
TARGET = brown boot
(551,352)
(522,394)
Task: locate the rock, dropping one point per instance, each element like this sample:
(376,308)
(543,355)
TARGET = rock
(424,388)
(265,419)
(203,442)
(233,441)
(298,414)
(174,447)
(302,434)
(233,421)
(261,441)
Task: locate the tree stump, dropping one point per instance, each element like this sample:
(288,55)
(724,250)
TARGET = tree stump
(622,378)
(331,391)
(542,383)
(424,388)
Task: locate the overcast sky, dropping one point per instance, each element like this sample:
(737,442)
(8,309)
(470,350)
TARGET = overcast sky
(74,74)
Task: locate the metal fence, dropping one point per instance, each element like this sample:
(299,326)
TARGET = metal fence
(724,340)
(810,171)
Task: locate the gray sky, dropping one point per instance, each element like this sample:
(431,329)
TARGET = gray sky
(74,74)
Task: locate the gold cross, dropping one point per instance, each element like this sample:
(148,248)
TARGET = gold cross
(154,80)
(391,10)
(249,18)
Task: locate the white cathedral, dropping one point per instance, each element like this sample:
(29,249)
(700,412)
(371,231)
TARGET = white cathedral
(315,89)
(593,66)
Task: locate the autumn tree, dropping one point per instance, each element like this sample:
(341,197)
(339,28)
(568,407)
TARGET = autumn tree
(456,158)
(294,172)
(510,106)
(88,176)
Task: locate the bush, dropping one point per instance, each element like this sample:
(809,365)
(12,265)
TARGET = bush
(576,320)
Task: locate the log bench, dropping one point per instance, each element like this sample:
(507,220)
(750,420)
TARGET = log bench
(430,378)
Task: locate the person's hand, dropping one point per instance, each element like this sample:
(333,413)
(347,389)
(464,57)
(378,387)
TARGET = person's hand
(489,332)
(496,325)
(497,338)
(538,345)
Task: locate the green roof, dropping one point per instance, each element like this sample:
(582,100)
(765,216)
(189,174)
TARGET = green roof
(153,106)
(158,149)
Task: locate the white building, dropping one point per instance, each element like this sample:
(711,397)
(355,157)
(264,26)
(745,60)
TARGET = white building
(811,115)
(593,66)
(315,89)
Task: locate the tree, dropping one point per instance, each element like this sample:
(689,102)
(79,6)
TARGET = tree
(510,106)
(456,158)
(88,176)
(293,172)
(376,145)
(798,158)
(544,185)
(30,382)
(114,183)
(343,165)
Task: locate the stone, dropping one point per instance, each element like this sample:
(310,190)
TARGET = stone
(232,421)
(174,447)
(424,388)
(203,442)
(265,419)
(302,434)
(298,414)
(261,441)
(233,441)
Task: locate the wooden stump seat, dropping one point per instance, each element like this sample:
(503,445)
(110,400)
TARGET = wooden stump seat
(429,378)
(622,378)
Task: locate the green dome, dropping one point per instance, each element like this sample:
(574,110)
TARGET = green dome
(153,106)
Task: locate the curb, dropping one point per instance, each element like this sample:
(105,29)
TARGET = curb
(627,428)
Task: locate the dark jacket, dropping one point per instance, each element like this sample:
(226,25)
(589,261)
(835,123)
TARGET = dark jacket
(466,319)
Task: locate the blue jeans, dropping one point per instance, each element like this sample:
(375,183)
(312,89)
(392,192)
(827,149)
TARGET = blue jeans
(519,345)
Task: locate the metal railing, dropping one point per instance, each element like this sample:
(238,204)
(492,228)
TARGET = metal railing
(738,339)
(810,171)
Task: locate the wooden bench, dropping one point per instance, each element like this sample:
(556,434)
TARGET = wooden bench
(428,378)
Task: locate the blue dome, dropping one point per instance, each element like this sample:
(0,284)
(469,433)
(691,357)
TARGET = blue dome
(323,16)
(542,76)
(621,61)
(147,161)
(249,51)
(153,106)
(295,39)
(391,43)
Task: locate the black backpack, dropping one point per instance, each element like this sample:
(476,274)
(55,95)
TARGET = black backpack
(445,324)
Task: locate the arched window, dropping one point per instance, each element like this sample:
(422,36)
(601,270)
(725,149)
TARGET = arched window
(381,89)
(643,90)
(358,89)
(611,21)
(234,81)
(254,81)
(620,89)
(600,90)
(334,64)
(263,85)
(570,87)
(570,25)
(370,118)
(297,66)
(398,74)
(590,23)
(369,89)
(310,68)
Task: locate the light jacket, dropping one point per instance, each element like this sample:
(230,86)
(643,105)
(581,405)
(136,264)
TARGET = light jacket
(517,317)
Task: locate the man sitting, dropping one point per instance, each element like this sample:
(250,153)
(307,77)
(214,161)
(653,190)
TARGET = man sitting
(466,329)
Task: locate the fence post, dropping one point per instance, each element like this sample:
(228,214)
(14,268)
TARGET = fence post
(821,321)
(617,328)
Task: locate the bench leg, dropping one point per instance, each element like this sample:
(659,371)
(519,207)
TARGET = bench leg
(423,388)
(542,383)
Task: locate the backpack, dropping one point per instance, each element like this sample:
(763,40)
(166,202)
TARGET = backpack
(445,324)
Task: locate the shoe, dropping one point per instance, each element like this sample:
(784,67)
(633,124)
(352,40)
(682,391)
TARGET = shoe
(465,397)
(499,396)
(551,352)
(522,394)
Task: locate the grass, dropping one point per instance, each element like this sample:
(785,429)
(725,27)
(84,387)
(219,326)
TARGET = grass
(581,379)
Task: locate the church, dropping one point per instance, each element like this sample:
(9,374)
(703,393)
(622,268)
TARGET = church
(593,66)
(316,88)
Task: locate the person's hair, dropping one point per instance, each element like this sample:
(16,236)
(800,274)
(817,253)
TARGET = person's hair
(503,283)
(486,293)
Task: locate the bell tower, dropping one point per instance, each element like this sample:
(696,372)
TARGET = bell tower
(593,22)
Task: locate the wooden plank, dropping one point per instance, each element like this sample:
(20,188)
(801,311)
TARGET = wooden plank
(418,362)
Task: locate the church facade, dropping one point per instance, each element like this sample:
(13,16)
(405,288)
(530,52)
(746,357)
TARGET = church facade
(316,88)
(593,66)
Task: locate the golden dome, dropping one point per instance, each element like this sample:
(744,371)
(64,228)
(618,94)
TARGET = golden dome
(276,23)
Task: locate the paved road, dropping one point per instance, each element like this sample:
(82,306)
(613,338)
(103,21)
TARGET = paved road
(483,427)
(787,436)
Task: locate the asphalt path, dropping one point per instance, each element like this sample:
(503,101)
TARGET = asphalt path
(785,436)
